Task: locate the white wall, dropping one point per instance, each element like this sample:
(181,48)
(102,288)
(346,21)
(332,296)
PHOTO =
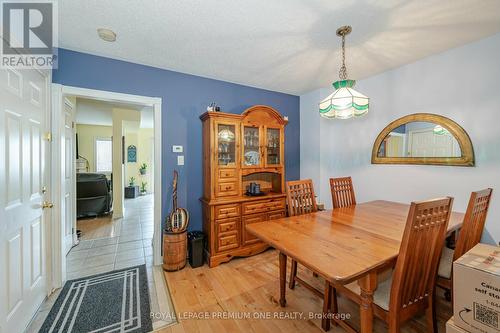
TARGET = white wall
(462,84)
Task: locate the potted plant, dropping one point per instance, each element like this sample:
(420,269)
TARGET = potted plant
(131,181)
(143,168)
(143,188)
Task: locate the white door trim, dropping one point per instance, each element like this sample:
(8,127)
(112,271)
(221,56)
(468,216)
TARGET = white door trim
(49,213)
(57,241)
(71,238)
(58,93)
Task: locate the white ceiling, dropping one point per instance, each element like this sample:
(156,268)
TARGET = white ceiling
(96,112)
(281,45)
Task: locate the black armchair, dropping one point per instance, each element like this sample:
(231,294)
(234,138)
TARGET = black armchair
(93,195)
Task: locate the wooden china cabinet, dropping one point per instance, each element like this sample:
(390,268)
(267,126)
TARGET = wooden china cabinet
(239,150)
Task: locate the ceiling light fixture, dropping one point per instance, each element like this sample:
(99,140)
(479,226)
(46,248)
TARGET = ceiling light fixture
(440,130)
(107,35)
(344,102)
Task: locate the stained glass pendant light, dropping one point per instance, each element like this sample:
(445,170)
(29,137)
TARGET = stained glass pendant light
(440,130)
(344,102)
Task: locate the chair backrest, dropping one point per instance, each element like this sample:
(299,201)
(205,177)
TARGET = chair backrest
(473,225)
(416,267)
(342,192)
(300,197)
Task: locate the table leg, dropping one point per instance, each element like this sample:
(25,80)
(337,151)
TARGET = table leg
(367,284)
(327,303)
(282,260)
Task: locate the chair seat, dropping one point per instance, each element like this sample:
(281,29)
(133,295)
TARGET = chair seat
(446,262)
(381,295)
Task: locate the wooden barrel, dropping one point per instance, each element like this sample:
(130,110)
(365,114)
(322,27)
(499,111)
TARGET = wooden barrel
(174,251)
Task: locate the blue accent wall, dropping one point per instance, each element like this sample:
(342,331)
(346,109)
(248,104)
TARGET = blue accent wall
(184,98)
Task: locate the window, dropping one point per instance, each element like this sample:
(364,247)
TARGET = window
(103,155)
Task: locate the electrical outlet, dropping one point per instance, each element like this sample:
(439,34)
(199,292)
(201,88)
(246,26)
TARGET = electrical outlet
(180,160)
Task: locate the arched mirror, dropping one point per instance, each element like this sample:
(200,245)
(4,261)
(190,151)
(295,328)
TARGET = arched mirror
(423,138)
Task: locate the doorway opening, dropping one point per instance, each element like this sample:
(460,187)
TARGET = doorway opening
(117,230)
(104,209)
(129,114)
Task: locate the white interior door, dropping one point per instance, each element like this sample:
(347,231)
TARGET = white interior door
(426,143)
(69,181)
(395,146)
(23,121)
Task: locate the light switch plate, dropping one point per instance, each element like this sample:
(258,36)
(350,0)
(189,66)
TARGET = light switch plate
(180,160)
(177,149)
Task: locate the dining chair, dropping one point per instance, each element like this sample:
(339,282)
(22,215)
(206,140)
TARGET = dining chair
(410,289)
(342,192)
(469,235)
(300,199)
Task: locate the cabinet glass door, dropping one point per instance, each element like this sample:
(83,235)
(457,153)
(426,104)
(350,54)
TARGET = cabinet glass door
(251,146)
(273,145)
(226,144)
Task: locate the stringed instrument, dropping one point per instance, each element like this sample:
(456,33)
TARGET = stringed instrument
(179,217)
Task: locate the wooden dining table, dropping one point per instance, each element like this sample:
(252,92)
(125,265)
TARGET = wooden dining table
(343,245)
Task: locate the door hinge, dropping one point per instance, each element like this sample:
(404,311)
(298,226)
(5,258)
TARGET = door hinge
(72,124)
(48,137)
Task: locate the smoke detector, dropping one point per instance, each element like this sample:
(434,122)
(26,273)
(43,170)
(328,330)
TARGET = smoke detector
(107,35)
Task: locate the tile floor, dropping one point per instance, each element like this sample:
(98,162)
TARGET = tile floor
(131,247)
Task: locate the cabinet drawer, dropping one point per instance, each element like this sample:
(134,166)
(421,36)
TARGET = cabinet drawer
(226,211)
(263,206)
(227,242)
(248,238)
(226,189)
(276,215)
(227,226)
(227,174)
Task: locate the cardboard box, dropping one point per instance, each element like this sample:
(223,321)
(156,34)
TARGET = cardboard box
(452,328)
(476,290)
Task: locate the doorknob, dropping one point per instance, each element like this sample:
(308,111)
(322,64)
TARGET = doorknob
(46,204)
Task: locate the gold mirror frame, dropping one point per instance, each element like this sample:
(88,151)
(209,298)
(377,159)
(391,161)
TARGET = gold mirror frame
(467,158)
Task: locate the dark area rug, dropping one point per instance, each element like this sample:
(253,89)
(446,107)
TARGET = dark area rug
(116,301)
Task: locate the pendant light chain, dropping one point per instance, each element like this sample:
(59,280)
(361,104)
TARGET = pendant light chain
(343,68)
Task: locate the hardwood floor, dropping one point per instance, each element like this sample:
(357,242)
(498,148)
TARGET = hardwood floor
(98,227)
(250,287)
